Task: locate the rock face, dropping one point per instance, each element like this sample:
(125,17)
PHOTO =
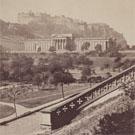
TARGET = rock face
(43,25)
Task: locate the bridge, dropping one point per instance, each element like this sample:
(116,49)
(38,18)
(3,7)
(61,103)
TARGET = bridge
(62,113)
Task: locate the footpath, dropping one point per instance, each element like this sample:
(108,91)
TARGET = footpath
(23,111)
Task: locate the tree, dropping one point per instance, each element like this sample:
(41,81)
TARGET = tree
(86,73)
(127,63)
(85,46)
(25,66)
(68,78)
(39,66)
(117,124)
(14,69)
(59,78)
(37,79)
(70,46)
(1,71)
(133,47)
(66,62)
(2,52)
(84,60)
(20,66)
(54,66)
(106,65)
(27,78)
(112,48)
(1,63)
(129,90)
(98,48)
(120,122)
(13,93)
(117,63)
(52,49)
(62,78)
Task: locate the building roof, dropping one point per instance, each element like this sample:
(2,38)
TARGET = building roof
(91,38)
(62,35)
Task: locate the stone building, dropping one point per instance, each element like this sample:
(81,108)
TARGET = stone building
(61,41)
(12,44)
(92,42)
(37,45)
(58,41)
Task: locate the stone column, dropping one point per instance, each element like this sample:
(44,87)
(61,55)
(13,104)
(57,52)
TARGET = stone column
(62,44)
(56,43)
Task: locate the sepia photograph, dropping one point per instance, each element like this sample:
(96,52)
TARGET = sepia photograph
(67,67)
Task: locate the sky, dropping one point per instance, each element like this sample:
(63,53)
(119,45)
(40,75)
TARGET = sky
(119,14)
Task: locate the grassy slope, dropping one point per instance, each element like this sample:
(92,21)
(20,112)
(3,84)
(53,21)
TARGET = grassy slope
(6,111)
(42,97)
(84,122)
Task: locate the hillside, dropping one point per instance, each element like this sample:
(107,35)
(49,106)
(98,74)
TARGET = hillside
(45,25)
(15,30)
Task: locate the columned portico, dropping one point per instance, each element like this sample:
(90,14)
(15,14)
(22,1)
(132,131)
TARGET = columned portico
(61,40)
(60,43)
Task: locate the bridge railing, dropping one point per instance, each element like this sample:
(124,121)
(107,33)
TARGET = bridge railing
(62,113)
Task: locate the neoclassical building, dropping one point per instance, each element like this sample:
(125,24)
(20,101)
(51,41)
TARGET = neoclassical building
(12,44)
(93,42)
(37,45)
(60,43)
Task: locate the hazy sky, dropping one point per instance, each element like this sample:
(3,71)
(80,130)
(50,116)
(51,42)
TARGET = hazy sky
(119,14)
